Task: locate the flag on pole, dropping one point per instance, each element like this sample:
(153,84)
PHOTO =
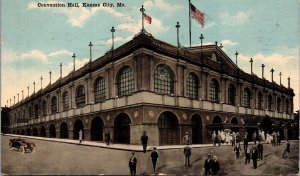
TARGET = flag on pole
(198,15)
(147,18)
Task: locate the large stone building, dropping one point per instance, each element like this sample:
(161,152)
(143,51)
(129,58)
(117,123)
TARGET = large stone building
(149,85)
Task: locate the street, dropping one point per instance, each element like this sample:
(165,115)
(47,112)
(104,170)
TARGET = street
(72,159)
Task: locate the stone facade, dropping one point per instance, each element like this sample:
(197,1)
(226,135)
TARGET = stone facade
(152,86)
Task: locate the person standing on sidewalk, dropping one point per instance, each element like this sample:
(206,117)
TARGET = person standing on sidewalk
(260,149)
(245,140)
(80,136)
(186,139)
(187,153)
(144,140)
(154,156)
(132,164)
(107,138)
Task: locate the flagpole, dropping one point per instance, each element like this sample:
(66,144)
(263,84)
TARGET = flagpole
(190,22)
(142,10)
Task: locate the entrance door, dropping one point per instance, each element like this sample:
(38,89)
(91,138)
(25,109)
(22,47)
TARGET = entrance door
(78,125)
(97,129)
(64,132)
(168,129)
(196,123)
(122,129)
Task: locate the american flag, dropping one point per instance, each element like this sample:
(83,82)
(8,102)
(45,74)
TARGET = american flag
(198,15)
(147,18)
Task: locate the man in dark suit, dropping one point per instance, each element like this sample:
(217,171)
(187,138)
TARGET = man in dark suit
(215,166)
(144,140)
(254,156)
(154,156)
(132,164)
(207,165)
(260,149)
(187,153)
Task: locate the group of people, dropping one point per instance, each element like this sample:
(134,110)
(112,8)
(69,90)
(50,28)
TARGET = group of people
(223,137)
(211,165)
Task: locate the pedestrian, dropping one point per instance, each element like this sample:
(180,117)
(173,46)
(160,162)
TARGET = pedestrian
(278,138)
(144,140)
(287,149)
(187,153)
(154,156)
(107,138)
(186,139)
(233,139)
(254,137)
(132,164)
(80,136)
(207,165)
(245,141)
(213,138)
(254,156)
(260,149)
(237,150)
(218,138)
(247,155)
(215,166)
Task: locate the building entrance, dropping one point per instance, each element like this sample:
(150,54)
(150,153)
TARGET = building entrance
(97,129)
(122,129)
(168,129)
(196,123)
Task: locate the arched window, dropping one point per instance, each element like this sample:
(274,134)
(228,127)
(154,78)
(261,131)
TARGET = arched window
(278,108)
(125,81)
(65,100)
(246,97)
(286,106)
(192,86)
(269,102)
(53,104)
(259,100)
(80,96)
(163,80)
(99,90)
(214,91)
(44,107)
(231,94)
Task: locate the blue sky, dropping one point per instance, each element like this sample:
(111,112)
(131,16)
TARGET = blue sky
(35,40)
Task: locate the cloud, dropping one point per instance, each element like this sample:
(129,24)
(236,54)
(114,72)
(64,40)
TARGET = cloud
(161,5)
(134,27)
(237,19)
(10,56)
(228,43)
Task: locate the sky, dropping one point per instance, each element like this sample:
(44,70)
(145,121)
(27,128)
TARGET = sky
(35,40)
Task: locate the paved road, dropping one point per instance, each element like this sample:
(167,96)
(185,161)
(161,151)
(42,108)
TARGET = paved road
(70,159)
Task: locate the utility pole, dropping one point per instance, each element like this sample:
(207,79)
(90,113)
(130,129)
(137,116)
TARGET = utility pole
(251,61)
(74,56)
(90,45)
(262,70)
(178,26)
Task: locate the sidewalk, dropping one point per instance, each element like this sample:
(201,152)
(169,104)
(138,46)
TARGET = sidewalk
(127,147)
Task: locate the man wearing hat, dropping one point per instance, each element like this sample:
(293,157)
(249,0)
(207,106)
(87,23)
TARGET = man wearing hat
(144,140)
(207,165)
(132,164)
(154,156)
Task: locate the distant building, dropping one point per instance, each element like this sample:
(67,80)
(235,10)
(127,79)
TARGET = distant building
(5,120)
(149,85)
